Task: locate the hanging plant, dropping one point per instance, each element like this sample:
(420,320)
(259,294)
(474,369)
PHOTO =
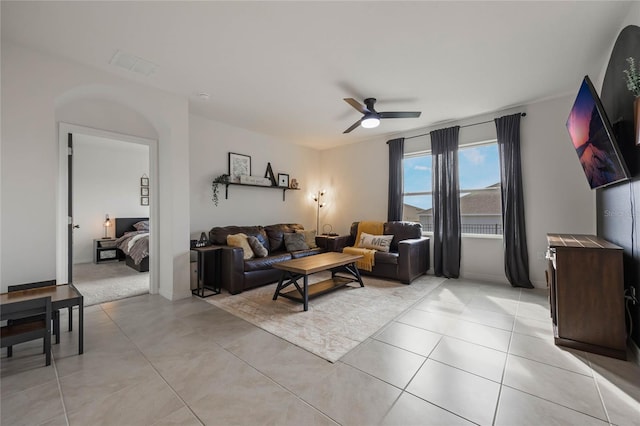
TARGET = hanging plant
(632,77)
(222,179)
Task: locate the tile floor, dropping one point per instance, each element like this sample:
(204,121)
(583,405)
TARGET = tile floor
(469,353)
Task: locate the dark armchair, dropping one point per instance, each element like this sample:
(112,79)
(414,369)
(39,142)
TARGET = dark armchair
(408,256)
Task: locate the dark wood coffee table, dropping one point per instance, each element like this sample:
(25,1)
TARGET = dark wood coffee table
(294,269)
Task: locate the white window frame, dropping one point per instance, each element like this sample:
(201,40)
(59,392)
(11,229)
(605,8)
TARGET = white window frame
(462,190)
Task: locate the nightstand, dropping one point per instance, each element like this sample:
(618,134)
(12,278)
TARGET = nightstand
(104,250)
(332,242)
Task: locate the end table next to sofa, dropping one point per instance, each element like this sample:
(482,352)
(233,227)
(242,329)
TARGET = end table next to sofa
(332,242)
(208,272)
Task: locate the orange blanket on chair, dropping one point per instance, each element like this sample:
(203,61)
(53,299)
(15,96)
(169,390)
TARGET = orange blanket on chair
(368,260)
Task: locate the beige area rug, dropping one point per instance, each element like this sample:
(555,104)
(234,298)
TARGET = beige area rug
(335,322)
(105,282)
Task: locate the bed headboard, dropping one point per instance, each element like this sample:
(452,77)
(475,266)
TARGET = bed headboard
(125,224)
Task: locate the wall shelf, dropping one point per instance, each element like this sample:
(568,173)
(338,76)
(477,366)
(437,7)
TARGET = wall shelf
(284,189)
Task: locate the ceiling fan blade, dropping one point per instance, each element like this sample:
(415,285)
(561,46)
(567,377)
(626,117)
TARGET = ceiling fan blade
(357,105)
(399,114)
(353,126)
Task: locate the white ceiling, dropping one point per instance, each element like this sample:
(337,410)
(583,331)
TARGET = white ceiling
(283,68)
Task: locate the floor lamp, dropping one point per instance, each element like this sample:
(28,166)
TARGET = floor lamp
(319,204)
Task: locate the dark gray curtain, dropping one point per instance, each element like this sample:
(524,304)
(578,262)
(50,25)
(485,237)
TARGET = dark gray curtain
(396,152)
(516,256)
(446,202)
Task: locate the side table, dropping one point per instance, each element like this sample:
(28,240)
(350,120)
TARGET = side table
(104,250)
(208,273)
(332,242)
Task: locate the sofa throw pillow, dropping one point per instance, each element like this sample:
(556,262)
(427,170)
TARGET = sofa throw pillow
(375,242)
(295,242)
(258,249)
(240,240)
(309,237)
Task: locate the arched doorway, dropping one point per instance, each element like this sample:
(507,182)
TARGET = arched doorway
(65,223)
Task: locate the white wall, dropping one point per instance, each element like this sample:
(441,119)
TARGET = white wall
(557,196)
(34,87)
(36,90)
(106,180)
(93,112)
(210,143)
(356,177)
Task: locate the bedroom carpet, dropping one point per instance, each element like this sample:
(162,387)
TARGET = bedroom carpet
(104,282)
(335,322)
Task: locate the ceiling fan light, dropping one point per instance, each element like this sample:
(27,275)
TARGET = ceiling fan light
(369,122)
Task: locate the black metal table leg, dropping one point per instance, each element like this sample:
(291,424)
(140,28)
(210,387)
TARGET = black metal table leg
(306,293)
(356,272)
(56,326)
(81,325)
(275,295)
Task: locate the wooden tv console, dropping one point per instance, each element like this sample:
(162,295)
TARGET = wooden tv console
(586,294)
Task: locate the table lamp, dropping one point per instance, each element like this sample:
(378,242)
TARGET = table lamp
(106,224)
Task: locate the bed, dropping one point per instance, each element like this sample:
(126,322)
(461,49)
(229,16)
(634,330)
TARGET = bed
(133,243)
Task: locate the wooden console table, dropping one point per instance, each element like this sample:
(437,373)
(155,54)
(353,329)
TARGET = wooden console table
(62,296)
(586,294)
(332,242)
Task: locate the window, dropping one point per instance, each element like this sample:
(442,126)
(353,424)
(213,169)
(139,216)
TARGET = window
(417,200)
(480,198)
(480,205)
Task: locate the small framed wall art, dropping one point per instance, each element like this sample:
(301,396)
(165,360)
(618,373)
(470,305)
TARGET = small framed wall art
(283,180)
(144,190)
(239,165)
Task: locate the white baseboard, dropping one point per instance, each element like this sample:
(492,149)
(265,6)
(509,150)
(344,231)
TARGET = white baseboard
(498,279)
(486,278)
(539,284)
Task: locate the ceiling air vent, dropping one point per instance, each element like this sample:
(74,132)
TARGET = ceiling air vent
(133,63)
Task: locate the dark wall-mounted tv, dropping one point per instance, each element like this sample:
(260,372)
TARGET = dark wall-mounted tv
(593,139)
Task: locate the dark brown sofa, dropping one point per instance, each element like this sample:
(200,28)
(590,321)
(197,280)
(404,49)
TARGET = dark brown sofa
(408,256)
(238,274)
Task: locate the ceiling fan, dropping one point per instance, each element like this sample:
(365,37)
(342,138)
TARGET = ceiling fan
(371,117)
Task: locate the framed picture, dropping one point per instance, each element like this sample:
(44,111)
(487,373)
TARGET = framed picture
(239,165)
(144,201)
(144,191)
(283,180)
(144,181)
